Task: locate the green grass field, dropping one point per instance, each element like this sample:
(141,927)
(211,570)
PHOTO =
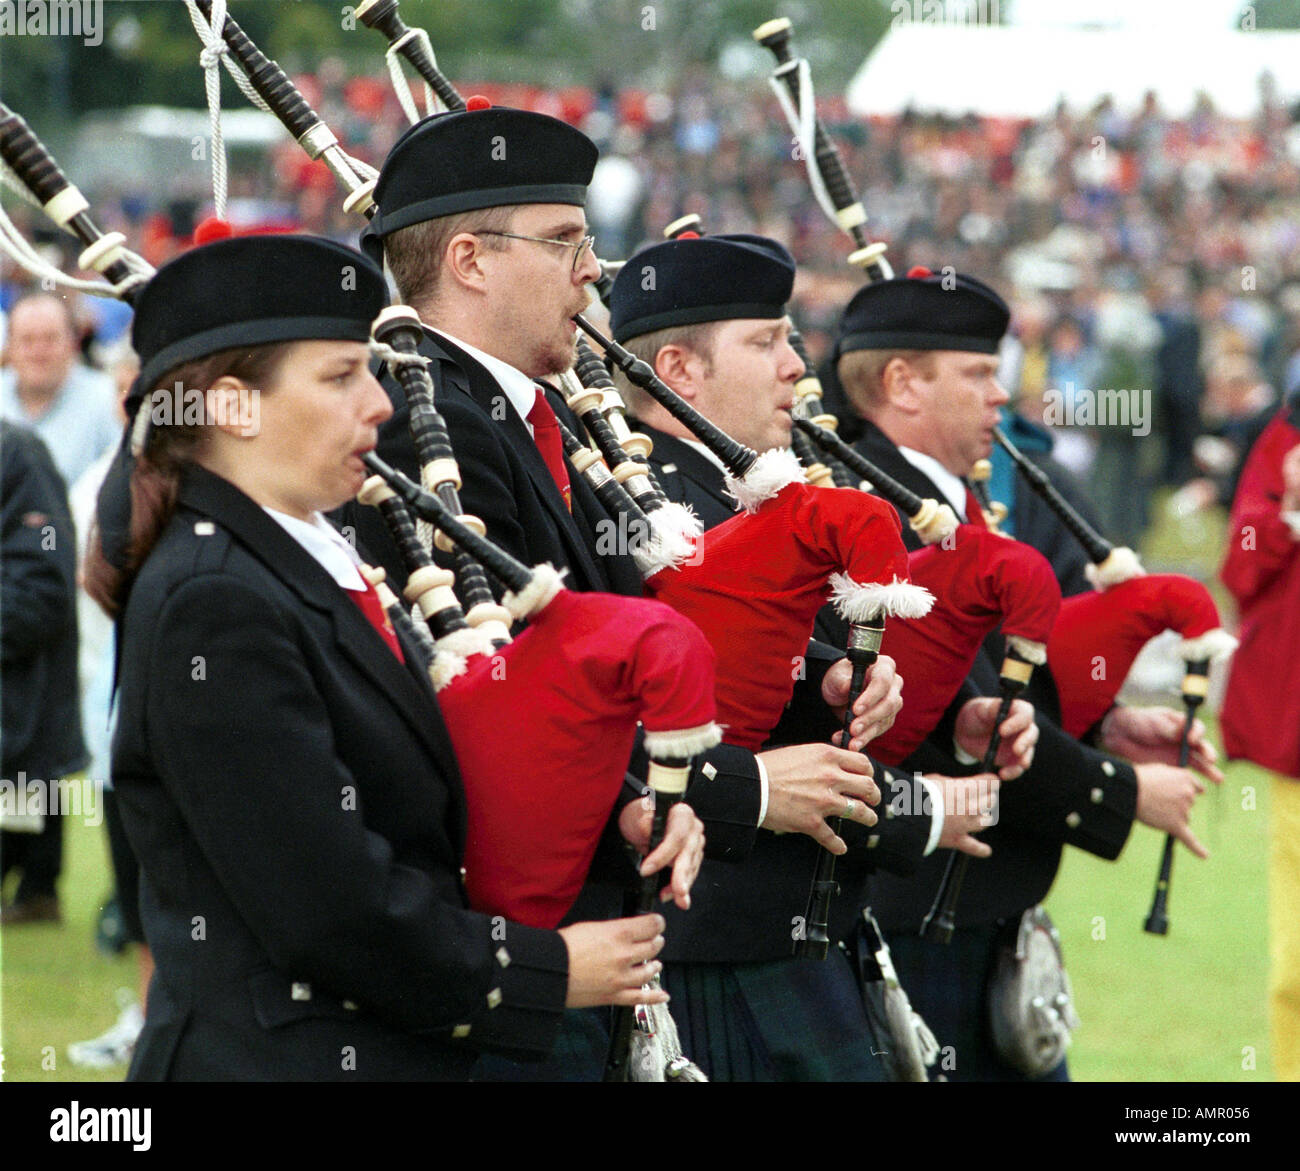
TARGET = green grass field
(55,986)
(1191,1005)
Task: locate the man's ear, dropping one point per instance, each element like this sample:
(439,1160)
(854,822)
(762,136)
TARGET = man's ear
(681,368)
(462,260)
(898,381)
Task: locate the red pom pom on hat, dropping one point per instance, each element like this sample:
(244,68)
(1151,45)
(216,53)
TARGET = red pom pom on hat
(478,102)
(918,272)
(687,236)
(211,229)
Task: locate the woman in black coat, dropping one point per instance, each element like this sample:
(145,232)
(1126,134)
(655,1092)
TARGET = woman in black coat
(283,771)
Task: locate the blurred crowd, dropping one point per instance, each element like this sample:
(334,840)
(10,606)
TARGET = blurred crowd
(1141,252)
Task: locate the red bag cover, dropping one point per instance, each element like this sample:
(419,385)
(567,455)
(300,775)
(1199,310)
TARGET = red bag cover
(979,579)
(1098,635)
(543,731)
(757,582)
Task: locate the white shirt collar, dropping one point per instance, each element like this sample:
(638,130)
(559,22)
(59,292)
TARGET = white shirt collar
(704,451)
(954,491)
(518,387)
(325,544)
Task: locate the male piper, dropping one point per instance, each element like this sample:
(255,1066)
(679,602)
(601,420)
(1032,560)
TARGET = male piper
(709,315)
(917,357)
(482,226)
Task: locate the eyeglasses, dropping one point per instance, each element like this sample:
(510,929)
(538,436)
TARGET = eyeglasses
(580,249)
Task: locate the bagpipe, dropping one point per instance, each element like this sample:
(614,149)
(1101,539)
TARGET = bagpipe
(833,189)
(37,171)
(1110,566)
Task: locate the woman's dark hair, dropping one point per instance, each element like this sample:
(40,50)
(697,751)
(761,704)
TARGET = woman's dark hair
(168,448)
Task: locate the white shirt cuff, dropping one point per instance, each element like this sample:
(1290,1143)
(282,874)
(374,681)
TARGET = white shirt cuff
(762,790)
(963,757)
(935,790)
(1293,523)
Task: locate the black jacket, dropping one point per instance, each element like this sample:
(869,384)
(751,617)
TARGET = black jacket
(1072,793)
(291,793)
(41,726)
(751,913)
(506,483)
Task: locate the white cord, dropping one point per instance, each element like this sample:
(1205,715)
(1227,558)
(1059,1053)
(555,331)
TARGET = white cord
(233,67)
(16,185)
(26,257)
(364,170)
(402,87)
(385,353)
(215,53)
(803,123)
(214,49)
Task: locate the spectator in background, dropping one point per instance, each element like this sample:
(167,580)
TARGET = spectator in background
(1237,406)
(1025,361)
(40,728)
(1261,711)
(1127,338)
(119,926)
(1072,367)
(44,386)
(1178,376)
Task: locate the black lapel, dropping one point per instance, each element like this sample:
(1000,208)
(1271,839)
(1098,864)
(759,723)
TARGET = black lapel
(249,524)
(484,389)
(876,446)
(701,471)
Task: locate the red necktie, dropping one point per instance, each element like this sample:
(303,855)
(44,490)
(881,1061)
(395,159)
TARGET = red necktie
(369,604)
(546,434)
(974,513)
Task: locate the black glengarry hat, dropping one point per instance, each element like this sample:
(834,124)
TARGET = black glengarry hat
(694,279)
(251,291)
(924,311)
(246,291)
(475,158)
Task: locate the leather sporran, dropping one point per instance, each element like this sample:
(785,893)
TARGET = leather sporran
(656,1049)
(1031,1007)
(904,1042)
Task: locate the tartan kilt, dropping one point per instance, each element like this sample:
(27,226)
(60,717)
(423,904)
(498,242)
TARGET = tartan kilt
(948,985)
(578,1055)
(792,1020)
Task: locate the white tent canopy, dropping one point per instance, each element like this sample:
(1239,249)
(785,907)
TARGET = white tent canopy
(957,69)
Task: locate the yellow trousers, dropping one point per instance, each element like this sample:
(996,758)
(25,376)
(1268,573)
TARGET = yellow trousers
(1284,927)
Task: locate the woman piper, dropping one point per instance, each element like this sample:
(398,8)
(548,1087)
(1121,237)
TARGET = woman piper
(282,768)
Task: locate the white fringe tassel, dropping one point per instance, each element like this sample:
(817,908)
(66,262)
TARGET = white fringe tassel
(856,602)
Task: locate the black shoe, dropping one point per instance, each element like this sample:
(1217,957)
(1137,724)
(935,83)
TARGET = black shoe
(40,909)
